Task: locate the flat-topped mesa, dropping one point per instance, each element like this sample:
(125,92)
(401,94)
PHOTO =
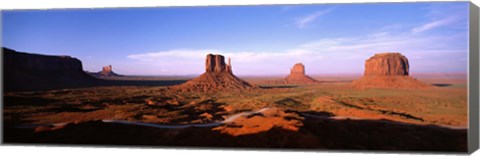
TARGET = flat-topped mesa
(34,72)
(297,76)
(216,63)
(40,63)
(387,70)
(387,64)
(218,76)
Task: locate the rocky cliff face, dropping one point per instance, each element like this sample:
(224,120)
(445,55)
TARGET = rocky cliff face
(387,70)
(387,64)
(216,64)
(298,69)
(24,71)
(297,76)
(218,76)
(43,63)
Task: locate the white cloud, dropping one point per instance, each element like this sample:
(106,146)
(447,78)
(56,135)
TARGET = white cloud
(176,53)
(444,15)
(304,21)
(190,54)
(329,55)
(427,52)
(433,24)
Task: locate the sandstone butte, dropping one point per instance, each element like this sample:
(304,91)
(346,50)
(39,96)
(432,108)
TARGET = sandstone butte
(107,71)
(297,76)
(387,70)
(217,76)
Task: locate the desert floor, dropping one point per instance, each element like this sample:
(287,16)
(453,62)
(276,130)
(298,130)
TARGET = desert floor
(331,115)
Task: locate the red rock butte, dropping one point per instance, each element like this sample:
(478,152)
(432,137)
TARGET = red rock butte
(216,64)
(387,70)
(218,76)
(107,71)
(297,76)
(387,64)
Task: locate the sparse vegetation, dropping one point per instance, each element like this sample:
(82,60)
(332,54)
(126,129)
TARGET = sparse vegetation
(436,105)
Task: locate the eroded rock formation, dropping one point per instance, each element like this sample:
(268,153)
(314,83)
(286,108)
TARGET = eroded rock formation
(217,76)
(297,76)
(216,64)
(298,69)
(387,64)
(24,71)
(107,71)
(387,70)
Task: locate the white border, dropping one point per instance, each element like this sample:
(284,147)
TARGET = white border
(82,151)
(46,4)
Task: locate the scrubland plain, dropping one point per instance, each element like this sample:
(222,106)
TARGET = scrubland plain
(330,115)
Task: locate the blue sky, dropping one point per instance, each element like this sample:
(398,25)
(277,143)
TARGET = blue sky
(261,40)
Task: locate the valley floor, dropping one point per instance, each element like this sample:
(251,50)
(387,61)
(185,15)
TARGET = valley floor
(330,115)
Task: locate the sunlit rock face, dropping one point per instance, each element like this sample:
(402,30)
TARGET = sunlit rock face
(387,70)
(107,71)
(297,76)
(387,64)
(217,76)
(216,63)
(298,69)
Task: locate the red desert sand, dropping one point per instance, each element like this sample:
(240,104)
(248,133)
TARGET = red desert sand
(263,121)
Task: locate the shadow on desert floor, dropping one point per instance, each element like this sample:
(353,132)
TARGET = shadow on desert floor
(442,85)
(315,133)
(95,83)
(275,87)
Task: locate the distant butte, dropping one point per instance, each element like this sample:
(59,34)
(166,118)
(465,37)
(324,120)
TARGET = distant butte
(218,76)
(387,70)
(297,76)
(107,71)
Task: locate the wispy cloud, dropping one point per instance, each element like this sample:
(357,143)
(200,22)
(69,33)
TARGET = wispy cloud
(427,53)
(172,54)
(245,62)
(433,24)
(441,15)
(192,54)
(287,8)
(302,22)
